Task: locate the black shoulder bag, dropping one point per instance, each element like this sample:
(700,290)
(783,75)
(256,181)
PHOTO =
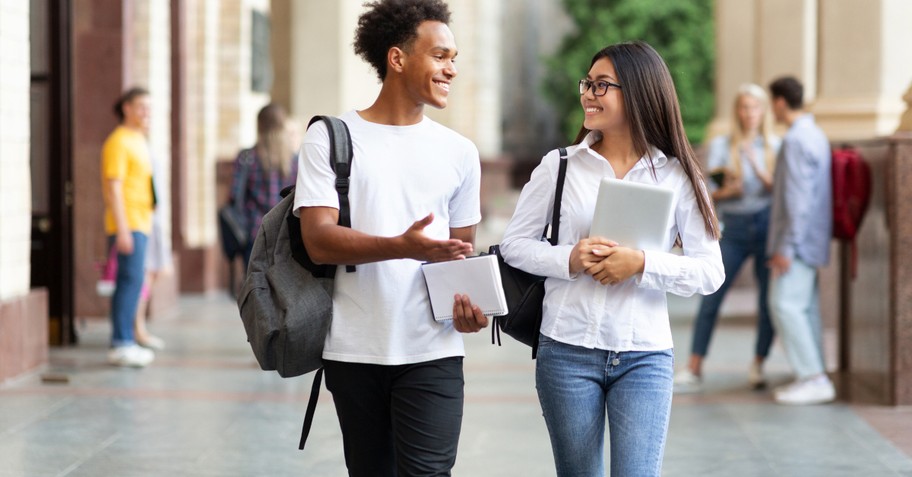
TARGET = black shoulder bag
(524,291)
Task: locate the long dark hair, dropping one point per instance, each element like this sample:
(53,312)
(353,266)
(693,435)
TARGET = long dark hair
(654,115)
(128,97)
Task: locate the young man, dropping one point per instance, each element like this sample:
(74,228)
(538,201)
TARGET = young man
(394,372)
(799,242)
(126,177)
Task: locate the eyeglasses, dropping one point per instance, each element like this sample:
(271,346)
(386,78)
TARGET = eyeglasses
(599,88)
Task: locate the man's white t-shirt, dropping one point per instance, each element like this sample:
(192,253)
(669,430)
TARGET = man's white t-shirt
(400,174)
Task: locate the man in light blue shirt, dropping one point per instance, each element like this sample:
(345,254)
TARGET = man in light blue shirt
(799,241)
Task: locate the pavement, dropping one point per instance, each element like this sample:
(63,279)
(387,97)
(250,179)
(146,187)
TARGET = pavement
(204,408)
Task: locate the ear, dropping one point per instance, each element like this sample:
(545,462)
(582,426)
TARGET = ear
(395,59)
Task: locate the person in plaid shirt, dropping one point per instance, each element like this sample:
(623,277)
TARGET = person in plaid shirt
(271,166)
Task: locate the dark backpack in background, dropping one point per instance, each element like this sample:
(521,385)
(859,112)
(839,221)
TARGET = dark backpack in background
(851,195)
(286,300)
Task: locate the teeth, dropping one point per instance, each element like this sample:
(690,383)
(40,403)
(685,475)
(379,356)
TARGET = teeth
(593,110)
(445,86)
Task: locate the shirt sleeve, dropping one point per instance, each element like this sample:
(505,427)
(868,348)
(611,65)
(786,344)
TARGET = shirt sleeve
(315,184)
(699,269)
(465,205)
(718,153)
(114,159)
(522,246)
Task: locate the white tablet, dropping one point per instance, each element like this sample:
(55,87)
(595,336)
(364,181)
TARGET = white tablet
(633,214)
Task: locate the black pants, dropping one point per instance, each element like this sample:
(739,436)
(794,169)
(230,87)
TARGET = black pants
(398,421)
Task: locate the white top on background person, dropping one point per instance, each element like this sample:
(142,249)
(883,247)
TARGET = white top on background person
(381,312)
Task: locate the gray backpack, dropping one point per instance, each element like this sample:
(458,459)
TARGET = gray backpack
(286,300)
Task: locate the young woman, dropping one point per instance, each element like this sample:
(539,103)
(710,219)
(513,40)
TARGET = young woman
(271,165)
(744,162)
(606,340)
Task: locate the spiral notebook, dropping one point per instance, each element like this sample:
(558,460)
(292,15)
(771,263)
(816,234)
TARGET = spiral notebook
(478,277)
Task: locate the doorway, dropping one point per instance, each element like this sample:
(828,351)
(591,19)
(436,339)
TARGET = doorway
(51,164)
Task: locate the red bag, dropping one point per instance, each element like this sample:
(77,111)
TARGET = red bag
(106,284)
(851,195)
(851,192)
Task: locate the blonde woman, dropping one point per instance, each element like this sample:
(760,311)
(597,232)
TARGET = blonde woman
(270,165)
(741,166)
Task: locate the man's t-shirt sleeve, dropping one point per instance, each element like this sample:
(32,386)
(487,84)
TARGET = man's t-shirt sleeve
(465,206)
(315,185)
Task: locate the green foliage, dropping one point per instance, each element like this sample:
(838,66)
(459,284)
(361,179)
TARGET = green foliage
(680,30)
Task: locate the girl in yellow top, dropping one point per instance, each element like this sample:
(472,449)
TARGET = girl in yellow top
(126,175)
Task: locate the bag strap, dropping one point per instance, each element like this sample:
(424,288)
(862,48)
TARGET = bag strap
(555,217)
(558,195)
(311,407)
(340,157)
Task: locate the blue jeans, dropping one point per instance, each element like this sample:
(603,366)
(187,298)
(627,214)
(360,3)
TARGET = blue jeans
(130,276)
(744,236)
(795,303)
(577,386)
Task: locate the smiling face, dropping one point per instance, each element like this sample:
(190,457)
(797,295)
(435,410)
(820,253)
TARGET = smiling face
(604,113)
(428,64)
(137,112)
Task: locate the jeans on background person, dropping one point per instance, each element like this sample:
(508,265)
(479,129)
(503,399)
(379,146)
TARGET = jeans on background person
(575,387)
(130,276)
(795,303)
(398,419)
(744,236)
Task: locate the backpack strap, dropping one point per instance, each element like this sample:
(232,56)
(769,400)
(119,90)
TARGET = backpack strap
(311,407)
(340,157)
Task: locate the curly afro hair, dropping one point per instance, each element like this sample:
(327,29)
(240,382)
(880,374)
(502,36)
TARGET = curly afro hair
(389,23)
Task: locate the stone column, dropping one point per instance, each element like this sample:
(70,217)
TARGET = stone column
(737,59)
(474,107)
(758,41)
(326,75)
(238,103)
(865,66)
(15,178)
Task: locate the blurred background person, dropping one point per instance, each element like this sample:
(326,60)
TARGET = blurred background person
(741,167)
(126,174)
(269,166)
(158,262)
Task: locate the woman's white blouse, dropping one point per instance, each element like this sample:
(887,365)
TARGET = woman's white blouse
(578,310)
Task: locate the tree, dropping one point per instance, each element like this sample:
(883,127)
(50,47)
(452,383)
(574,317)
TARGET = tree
(680,30)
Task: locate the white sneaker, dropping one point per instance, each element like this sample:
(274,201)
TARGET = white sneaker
(132,355)
(816,390)
(755,377)
(685,381)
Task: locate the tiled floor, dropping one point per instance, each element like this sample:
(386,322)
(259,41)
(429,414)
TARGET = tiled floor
(204,409)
